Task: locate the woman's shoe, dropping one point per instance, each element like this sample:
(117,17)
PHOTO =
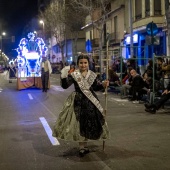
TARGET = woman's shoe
(83,152)
(147,105)
(151,110)
(87,149)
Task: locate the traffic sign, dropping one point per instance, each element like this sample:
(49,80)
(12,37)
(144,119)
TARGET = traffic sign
(152,29)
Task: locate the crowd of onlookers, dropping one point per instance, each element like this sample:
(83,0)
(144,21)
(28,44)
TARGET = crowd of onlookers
(131,82)
(127,79)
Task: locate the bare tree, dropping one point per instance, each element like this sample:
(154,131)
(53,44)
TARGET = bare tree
(98,12)
(54,17)
(75,20)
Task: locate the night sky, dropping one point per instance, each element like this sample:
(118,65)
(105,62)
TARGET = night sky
(14,16)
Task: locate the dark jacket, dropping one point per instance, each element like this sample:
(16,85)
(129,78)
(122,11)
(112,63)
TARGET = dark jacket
(137,82)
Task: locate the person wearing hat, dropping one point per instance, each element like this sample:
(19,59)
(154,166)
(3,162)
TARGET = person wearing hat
(46,70)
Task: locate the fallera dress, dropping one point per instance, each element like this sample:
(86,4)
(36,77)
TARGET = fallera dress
(81,117)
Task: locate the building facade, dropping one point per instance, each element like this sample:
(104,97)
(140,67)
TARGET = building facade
(144,14)
(147,15)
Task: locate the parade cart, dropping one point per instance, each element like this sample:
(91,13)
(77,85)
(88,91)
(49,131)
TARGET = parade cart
(29,58)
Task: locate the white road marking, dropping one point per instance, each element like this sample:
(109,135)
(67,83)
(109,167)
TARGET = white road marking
(57,88)
(30,96)
(119,100)
(48,130)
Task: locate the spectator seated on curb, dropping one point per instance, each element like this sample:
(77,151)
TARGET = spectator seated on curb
(166,74)
(126,84)
(137,86)
(149,69)
(114,81)
(120,67)
(151,108)
(132,62)
(113,78)
(147,87)
(158,89)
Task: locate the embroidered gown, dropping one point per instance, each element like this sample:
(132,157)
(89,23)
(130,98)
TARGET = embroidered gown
(81,117)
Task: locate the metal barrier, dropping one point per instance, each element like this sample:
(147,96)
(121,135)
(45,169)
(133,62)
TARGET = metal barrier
(154,72)
(122,53)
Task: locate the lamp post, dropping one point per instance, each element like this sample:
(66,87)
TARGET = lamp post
(42,22)
(3,34)
(131,28)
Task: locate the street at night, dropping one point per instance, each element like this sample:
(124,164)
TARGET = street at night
(139,140)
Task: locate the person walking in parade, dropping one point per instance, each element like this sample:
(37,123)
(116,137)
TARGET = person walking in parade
(12,71)
(82,118)
(46,70)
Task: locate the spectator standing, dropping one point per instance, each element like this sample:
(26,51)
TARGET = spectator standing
(46,70)
(12,72)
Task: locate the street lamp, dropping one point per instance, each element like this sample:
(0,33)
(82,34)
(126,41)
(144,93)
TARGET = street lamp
(3,34)
(131,29)
(42,22)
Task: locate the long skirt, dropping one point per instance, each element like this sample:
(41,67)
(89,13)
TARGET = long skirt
(67,127)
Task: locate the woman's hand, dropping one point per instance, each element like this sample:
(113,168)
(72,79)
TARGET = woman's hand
(165,92)
(71,70)
(64,72)
(105,83)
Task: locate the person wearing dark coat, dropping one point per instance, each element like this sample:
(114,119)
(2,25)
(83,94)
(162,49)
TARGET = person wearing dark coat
(82,118)
(45,73)
(12,72)
(151,108)
(137,85)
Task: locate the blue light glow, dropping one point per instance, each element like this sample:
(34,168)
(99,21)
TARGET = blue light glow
(135,39)
(30,53)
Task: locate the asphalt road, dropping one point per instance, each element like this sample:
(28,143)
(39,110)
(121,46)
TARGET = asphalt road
(139,140)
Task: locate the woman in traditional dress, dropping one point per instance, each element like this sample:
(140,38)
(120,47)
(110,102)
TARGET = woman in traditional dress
(82,118)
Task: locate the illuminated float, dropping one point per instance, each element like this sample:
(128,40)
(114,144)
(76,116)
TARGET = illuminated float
(30,52)
(29,57)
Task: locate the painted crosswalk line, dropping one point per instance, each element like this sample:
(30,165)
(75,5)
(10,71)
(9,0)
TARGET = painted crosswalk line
(48,131)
